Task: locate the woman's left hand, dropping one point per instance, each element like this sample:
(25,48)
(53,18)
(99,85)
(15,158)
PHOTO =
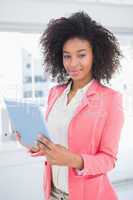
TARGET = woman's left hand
(59,155)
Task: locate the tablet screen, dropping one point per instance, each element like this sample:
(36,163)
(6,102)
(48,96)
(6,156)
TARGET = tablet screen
(27,119)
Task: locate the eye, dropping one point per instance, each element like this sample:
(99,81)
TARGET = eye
(66,56)
(82,55)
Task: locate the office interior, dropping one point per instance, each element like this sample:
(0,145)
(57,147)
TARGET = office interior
(22,77)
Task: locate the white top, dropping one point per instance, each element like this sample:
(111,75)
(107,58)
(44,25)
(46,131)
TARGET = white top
(58,122)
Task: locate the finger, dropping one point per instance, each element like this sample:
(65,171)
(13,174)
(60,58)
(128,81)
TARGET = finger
(18,136)
(33,149)
(46,141)
(43,145)
(37,154)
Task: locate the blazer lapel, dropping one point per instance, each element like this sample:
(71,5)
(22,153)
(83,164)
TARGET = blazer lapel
(56,94)
(92,90)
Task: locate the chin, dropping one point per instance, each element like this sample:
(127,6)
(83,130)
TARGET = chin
(76,78)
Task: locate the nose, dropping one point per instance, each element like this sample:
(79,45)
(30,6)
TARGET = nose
(74,62)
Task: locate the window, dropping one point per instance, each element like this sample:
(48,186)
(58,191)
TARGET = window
(27,79)
(28,65)
(27,94)
(20,66)
(40,79)
(38,93)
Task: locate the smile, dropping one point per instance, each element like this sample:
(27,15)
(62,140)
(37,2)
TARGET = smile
(74,72)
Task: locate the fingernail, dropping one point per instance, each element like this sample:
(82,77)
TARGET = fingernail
(39,135)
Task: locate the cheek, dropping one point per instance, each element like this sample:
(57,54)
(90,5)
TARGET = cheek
(65,64)
(89,58)
(87,64)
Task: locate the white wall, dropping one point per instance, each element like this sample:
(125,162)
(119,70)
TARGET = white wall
(21,176)
(31,15)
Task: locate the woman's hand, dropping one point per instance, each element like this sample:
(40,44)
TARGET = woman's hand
(59,155)
(18,137)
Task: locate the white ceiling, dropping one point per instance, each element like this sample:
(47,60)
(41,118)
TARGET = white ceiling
(116,2)
(32,15)
(129,2)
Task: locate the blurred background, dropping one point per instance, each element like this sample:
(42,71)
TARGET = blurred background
(22,77)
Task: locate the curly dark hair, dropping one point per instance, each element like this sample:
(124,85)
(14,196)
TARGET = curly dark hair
(106,51)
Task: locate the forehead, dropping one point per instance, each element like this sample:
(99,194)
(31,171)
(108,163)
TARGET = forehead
(76,44)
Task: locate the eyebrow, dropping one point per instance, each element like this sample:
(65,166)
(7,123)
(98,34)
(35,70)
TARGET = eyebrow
(77,51)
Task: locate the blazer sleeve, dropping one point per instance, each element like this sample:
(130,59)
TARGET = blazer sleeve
(104,160)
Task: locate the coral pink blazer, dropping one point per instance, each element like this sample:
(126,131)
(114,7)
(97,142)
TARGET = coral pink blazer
(93,133)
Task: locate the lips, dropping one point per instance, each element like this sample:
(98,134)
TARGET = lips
(74,72)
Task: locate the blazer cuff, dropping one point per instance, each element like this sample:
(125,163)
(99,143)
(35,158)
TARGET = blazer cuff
(95,165)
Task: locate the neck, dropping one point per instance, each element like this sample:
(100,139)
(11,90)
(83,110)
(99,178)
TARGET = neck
(79,84)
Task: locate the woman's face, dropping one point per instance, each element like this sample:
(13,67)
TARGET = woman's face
(78,59)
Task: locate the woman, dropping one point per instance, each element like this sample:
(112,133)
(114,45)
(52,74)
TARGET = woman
(84,116)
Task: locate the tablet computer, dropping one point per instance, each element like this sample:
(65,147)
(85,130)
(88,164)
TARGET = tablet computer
(27,119)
